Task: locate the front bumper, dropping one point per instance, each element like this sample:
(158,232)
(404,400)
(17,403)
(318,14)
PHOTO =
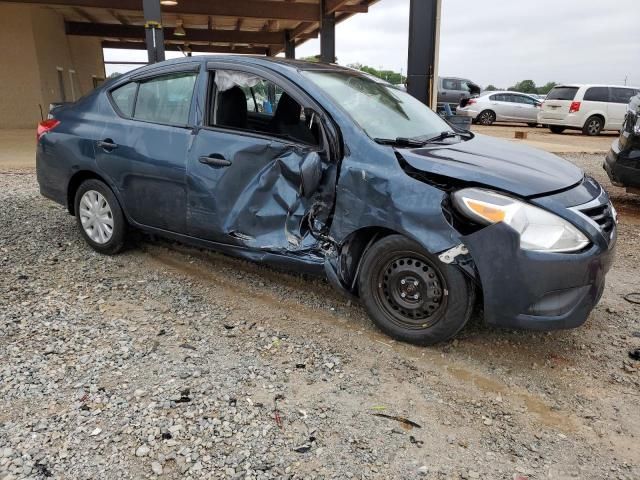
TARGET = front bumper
(623,166)
(535,290)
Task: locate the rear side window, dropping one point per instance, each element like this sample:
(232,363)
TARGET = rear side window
(124,97)
(498,97)
(562,93)
(597,94)
(622,95)
(166,99)
(451,84)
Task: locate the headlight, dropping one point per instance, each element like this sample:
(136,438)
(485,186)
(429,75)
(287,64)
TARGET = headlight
(539,230)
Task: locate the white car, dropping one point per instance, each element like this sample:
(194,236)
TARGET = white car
(501,107)
(590,108)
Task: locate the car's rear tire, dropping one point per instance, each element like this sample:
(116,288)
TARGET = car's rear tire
(486,117)
(532,125)
(99,216)
(411,295)
(556,129)
(593,126)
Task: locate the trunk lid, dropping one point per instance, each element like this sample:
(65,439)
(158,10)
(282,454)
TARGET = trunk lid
(497,164)
(558,101)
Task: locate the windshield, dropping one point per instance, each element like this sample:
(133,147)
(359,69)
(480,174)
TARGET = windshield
(381,110)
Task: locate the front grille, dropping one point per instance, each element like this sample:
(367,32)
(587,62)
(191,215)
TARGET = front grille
(602,215)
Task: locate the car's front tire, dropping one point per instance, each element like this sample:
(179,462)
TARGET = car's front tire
(99,216)
(411,295)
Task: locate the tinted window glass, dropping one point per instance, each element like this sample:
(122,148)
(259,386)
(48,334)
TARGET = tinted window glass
(597,94)
(498,98)
(525,100)
(166,99)
(562,93)
(621,95)
(124,97)
(451,84)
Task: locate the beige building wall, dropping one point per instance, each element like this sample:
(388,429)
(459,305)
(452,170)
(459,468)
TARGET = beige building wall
(43,63)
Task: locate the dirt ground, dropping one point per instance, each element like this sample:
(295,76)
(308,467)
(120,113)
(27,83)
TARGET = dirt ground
(81,335)
(570,141)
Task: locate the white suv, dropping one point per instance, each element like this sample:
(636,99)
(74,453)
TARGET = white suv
(590,108)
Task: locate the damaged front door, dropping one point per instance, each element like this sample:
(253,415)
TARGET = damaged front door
(255,170)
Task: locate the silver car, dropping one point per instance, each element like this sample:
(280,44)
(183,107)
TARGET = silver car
(502,107)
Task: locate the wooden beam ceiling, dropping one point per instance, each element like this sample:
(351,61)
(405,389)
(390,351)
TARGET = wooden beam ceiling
(195,48)
(228,8)
(133,32)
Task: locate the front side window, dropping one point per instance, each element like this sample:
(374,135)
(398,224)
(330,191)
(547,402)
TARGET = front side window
(597,94)
(124,98)
(381,110)
(622,95)
(245,101)
(166,99)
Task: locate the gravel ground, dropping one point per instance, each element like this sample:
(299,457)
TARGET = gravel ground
(170,362)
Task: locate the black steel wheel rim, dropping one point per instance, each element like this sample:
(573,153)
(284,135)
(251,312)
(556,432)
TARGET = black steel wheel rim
(411,291)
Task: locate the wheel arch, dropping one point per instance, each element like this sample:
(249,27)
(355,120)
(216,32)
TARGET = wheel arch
(353,248)
(76,180)
(601,115)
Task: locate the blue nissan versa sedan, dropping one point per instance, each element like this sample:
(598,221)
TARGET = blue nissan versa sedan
(322,169)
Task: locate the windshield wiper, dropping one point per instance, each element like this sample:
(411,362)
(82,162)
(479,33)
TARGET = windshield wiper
(400,142)
(442,136)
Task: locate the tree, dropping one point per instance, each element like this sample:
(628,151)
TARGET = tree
(490,88)
(114,75)
(546,88)
(390,76)
(525,86)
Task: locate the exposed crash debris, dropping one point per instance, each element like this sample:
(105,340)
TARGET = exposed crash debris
(450,255)
(406,423)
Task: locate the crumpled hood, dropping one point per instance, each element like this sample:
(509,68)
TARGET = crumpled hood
(495,163)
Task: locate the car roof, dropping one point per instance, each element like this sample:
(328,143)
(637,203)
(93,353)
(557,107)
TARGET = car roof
(491,92)
(273,62)
(589,85)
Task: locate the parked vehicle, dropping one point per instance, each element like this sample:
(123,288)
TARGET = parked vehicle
(455,91)
(590,108)
(502,107)
(623,160)
(348,178)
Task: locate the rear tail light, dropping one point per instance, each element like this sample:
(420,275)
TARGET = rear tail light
(471,101)
(46,126)
(575,107)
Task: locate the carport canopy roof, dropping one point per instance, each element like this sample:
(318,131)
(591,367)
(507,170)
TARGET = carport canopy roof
(218,26)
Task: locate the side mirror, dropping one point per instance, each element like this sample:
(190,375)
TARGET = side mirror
(310,173)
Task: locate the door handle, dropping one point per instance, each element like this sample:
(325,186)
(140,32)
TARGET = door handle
(215,160)
(107,144)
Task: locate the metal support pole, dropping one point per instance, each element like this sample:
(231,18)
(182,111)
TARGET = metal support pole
(422,76)
(327,35)
(153,29)
(289,45)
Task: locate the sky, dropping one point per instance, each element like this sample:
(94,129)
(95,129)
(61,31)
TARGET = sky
(497,42)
